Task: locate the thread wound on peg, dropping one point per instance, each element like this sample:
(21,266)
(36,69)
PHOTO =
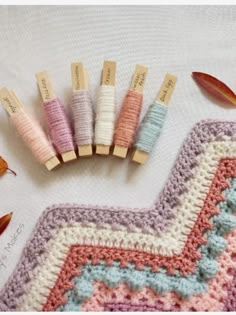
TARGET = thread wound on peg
(33,136)
(151,126)
(59,127)
(82,109)
(128,120)
(105,115)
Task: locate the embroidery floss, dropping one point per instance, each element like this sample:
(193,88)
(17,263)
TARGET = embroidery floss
(58,125)
(82,109)
(129,116)
(33,136)
(153,121)
(83,117)
(128,119)
(57,120)
(151,126)
(105,115)
(29,129)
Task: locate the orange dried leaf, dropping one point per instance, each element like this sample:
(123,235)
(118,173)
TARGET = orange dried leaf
(4,221)
(4,167)
(215,87)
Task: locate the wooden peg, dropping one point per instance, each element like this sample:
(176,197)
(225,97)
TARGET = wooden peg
(86,78)
(139,156)
(163,97)
(137,85)
(80,81)
(120,151)
(47,93)
(45,86)
(102,149)
(12,104)
(52,163)
(8,101)
(139,79)
(85,150)
(167,89)
(16,98)
(108,78)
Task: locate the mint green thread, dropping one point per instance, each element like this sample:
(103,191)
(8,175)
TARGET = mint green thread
(151,126)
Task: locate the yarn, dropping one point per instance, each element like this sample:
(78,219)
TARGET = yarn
(210,300)
(128,120)
(105,115)
(151,126)
(82,110)
(59,127)
(33,136)
(161,283)
(179,250)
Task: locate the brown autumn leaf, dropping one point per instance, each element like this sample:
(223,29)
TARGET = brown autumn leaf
(4,221)
(215,87)
(4,167)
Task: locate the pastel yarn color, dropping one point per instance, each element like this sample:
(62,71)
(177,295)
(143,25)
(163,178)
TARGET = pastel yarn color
(128,119)
(105,115)
(33,136)
(160,282)
(59,126)
(151,126)
(82,110)
(179,251)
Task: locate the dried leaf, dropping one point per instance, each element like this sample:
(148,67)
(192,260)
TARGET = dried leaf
(4,221)
(4,167)
(215,87)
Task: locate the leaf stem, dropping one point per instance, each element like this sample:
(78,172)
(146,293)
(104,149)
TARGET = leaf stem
(11,171)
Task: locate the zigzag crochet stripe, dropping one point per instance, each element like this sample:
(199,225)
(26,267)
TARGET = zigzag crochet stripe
(202,132)
(59,249)
(210,300)
(162,213)
(160,283)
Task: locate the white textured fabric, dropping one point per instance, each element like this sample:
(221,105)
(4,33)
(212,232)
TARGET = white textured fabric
(166,39)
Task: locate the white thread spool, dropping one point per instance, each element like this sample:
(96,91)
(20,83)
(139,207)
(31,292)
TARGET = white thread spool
(105,115)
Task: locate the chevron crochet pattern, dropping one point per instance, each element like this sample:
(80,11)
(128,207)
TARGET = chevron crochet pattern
(178,255)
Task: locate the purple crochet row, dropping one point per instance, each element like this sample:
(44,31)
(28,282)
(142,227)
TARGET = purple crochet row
(158,217)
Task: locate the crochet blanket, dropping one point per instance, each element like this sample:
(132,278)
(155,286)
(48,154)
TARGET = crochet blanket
(179,255)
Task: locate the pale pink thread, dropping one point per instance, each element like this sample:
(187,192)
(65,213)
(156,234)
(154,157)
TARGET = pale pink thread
(59,127)
(33,136)
(128,120)
(82,109)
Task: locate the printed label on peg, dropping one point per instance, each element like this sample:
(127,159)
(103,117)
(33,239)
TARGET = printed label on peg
(109,73)
(167,89)
(45,86)
(8,101)
(139,78)
(16,98)
(78,76)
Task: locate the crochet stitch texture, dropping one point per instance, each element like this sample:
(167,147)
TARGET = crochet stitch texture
(177,255)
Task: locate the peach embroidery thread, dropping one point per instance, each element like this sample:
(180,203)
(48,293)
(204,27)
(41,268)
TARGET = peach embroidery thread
(128,120)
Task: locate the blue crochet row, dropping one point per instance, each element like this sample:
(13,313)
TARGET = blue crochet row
(161,282)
